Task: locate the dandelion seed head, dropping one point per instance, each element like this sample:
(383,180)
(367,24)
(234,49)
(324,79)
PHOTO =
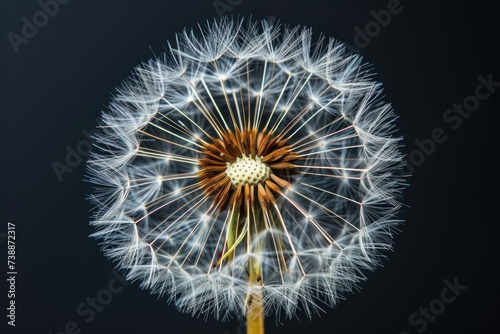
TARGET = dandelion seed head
(248,159)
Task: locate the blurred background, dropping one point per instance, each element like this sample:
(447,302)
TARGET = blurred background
(438,62)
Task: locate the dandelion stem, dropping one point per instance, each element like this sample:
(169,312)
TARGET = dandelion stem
(255,310)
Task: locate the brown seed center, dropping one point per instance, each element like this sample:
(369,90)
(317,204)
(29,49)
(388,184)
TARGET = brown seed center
(245,168)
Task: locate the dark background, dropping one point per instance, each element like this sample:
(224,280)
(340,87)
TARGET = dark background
(429,57)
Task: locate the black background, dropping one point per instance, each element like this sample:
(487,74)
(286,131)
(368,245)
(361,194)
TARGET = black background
(429,57)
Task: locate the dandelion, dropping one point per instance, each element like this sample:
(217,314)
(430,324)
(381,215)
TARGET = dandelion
(250,170)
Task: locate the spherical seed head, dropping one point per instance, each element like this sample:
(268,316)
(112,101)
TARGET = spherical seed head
(247,170)
(175,213)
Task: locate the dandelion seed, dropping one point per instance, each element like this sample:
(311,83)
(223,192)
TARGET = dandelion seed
(247,171)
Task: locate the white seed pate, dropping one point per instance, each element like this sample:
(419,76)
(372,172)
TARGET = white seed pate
(247,170)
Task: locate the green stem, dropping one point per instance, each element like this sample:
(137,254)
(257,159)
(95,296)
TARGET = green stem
(255,310)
